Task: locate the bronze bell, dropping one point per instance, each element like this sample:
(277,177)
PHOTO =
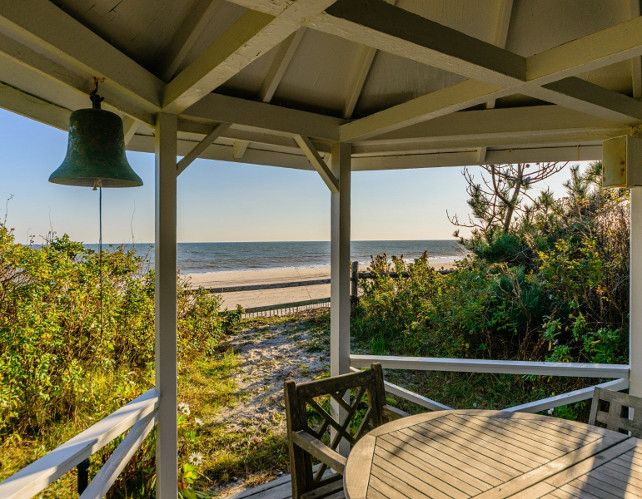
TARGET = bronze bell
(95,152)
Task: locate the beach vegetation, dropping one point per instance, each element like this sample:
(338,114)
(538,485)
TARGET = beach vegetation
(550,286)
(77,343)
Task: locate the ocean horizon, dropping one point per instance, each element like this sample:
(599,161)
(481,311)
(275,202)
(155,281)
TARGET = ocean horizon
(196,258)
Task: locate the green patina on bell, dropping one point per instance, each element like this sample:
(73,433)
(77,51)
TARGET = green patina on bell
(95,151)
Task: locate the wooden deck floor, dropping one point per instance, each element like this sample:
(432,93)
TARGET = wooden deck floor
(281,488)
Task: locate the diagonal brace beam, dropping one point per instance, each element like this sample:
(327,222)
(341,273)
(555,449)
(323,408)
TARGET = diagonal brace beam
(187,160)
(318,163)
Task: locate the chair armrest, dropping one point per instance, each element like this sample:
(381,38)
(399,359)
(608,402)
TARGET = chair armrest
(392,413)
(318,449)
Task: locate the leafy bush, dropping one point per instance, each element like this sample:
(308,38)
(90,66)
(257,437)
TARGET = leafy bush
(553,286)
(60,355)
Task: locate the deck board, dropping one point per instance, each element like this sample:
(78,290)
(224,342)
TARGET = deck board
(281,488)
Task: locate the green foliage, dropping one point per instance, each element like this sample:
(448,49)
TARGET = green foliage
(67,360)
(553,286)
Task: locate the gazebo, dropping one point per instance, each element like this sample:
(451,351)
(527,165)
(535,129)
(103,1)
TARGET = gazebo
(334,86)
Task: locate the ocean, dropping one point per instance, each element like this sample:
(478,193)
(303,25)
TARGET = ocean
(193,258)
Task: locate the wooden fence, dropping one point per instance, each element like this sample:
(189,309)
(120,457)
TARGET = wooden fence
(296,306)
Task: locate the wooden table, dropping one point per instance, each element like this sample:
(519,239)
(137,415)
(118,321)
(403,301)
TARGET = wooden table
(471,453)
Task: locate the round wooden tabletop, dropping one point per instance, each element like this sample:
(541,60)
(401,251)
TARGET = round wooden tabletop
(465,453)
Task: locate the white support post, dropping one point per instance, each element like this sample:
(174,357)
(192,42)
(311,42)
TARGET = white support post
(340,263)
(635,294)
(340,274)
(166,437)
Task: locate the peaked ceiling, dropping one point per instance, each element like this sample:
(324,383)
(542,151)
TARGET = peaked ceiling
(410,83)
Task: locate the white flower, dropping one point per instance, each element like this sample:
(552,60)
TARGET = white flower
(198,421)
(184,408)
(550,411)
(195,458)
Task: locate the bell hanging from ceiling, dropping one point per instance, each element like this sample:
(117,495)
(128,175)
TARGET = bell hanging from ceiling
(95,150)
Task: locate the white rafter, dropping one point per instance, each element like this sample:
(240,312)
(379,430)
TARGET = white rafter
(359,76)
(318,163)
(17,101)
(610,45)
(280,64)
(254,34)
(505,9)
(183,40)
(377,24)
(56,72)
(46,29)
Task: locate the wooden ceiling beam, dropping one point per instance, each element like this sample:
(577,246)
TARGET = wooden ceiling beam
(254,34)
(56,72)
(505,9)
(439,103)
(587,97)
(546,120)
(17,101)
(46,29)
(378,24)
(199,17)
(280,65)
(399,32)
(221,108)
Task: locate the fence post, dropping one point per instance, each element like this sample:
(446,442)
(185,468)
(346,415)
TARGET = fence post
(354,288)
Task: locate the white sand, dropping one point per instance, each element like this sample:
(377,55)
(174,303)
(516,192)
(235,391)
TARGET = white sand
(249,299)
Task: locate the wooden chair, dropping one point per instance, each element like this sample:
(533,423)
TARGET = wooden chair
(612,410)
(366,397)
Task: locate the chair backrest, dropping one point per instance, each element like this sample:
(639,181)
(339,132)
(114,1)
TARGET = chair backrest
(359,394)
(617,411)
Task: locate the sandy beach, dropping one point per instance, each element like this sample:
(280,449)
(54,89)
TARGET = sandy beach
(259,298)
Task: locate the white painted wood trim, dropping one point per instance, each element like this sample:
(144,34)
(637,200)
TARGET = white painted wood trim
(80,46)
(358,79)
(130,126)
(199,17)
(254,34)
(25,104)
(568,398)
(411,396)
(34,478)
(59,74)
(494,366)
(104,479)
(220,61)
(198,149)
(277,119)
(391,29)
(635,293)
(340,262)
(280,65)
(165,357)
(318,163)
(239,147)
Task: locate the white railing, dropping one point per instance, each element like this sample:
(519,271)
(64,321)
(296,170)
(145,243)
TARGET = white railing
(578,370)
(139,415)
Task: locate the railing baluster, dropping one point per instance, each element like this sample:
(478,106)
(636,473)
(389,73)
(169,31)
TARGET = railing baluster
(83,475)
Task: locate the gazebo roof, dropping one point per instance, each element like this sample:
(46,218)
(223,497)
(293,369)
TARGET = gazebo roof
(410,83)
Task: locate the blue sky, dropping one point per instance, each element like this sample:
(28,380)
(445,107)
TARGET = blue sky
(217,201)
